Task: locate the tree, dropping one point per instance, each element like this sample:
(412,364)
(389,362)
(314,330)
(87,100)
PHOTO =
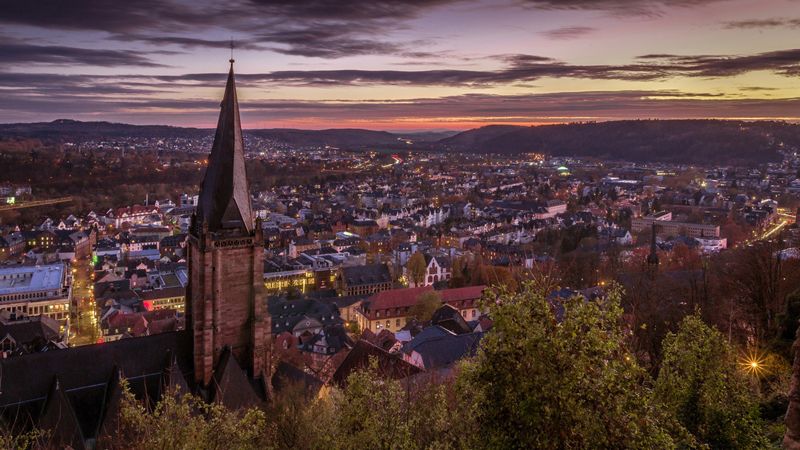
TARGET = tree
(426,305)
(373,412)
(417,267)
(185,421)
(459,278)
(543,380)
(700,383)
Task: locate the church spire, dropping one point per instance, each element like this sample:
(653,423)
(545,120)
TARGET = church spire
(652,258)
(224,201)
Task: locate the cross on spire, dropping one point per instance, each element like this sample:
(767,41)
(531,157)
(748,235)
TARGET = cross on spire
(231,60)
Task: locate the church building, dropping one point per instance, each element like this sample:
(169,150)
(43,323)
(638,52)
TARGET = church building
(222,355)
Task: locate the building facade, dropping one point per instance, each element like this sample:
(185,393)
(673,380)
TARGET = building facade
(37,290)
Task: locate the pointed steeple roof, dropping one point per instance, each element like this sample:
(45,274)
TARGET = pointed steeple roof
(225,194)
(230,386)
(111,409)
(58,418)
(652,258)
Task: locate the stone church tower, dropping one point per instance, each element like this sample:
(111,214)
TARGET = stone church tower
(226,305)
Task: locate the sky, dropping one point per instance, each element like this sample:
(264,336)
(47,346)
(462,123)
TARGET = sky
(399,64)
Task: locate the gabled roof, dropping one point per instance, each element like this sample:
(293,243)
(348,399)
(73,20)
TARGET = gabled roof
(445,350)
(225,194)
(172,379)
(396,298)
(448,317)
(109,423)
(229,384)
(84,372)
(463,293)
(58,418)
(389,365)
(366,275)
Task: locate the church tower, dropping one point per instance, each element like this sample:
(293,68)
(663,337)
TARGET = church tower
(226,306)
(652,258)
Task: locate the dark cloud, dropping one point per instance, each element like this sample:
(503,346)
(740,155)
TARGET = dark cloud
(568,32)
(16,52)
(618,7)
(762,23)
(189,42)
(782,62)
(316,28)
(117,17)
(351,10)
(757,89)
(519,69)
(327,41)
(478,108)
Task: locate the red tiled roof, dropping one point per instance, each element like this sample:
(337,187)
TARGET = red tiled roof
(397,298)
(395,302)
(464,293)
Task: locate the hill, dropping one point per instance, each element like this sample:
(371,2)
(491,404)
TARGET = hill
(673,141)
(681,141)
(72,130)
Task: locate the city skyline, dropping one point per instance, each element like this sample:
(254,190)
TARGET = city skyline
(418,65)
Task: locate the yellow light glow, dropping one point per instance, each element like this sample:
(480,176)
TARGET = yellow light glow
(754,363)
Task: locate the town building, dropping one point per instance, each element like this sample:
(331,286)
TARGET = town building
(391,310)
(665,226)
(361,280)
(37,290)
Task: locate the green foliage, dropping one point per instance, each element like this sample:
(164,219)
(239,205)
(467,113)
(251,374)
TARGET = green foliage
(20,441)
(540,382)
(547,376)
(426,305)
(187,422)
(700,383)
(417,266)
(375,413)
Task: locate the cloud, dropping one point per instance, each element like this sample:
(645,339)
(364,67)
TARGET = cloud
(782,62)
(518,69)
(125,16)
(13,51)
(315,28)
(762,23)
(618,7)
(568,32)
(452,111)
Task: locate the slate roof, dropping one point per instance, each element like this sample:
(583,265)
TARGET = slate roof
(30,330)
(224,200)
(84,374)
(448,317)
(286,314)
(389,365)
(230,386)
(444,349)
(366,275)
(59,420)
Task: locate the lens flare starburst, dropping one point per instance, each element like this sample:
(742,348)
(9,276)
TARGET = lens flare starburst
(754,363)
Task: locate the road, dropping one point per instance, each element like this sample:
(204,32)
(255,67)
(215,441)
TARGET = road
(85,327)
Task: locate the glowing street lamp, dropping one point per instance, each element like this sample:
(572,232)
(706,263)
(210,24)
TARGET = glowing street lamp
(754,364)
